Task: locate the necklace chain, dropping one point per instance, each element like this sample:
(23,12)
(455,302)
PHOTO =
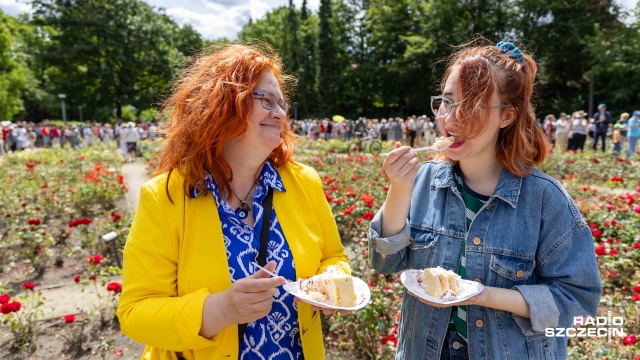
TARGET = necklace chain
(244,202)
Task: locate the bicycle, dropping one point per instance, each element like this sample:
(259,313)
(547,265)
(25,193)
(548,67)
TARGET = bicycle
(368,143)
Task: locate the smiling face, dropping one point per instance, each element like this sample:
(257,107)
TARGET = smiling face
(481,147)
(265,126)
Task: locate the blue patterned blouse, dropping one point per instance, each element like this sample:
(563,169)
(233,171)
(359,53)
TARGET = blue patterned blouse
(277,335)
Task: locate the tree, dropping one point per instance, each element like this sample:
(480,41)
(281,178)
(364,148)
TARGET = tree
(13,74)
(559,37)
(188,40)
(308,70)
(109,53)
(328,71)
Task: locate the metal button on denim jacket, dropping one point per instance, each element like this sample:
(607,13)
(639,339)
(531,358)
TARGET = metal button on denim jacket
(529,236)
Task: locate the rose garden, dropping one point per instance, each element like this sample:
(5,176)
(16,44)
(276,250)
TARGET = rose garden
(56,204)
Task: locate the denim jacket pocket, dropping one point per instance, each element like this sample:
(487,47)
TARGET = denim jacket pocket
(422,239)
(423,247)
(508,271)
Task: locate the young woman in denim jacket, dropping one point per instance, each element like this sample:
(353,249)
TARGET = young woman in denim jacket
(527,242)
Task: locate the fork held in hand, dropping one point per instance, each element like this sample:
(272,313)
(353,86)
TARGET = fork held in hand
(269,272)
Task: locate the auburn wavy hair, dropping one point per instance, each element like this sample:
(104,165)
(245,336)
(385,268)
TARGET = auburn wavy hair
(210,103)
(483,69)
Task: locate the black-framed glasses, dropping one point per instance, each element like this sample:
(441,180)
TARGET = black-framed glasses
(269,101)
(442,106)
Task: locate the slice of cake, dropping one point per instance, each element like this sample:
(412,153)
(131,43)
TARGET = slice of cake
(443,142)
(440,283)
(331,287)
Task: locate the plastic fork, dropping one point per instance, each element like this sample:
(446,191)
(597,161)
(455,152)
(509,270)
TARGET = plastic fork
(269,272)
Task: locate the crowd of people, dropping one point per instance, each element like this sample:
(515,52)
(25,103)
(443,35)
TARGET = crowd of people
(22,135)
(412,130)
(567,132)
(573,132)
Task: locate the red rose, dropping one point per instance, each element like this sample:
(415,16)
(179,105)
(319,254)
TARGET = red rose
(636,289)
(4,298)
(368,199)
(95,260)
(30,165)
(636,245)
(92,278)
(635,297)
(7,308)
(629,340)
(601,250)
(16,306)
(76,278)
(115,287)
(596,232)
(29,285)
(68,319)
(613,252)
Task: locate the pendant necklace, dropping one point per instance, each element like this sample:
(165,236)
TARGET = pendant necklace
(243,210)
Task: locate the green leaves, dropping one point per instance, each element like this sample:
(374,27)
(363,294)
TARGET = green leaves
(13,74)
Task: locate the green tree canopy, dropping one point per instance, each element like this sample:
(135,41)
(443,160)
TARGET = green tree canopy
(14,75)
(111,53)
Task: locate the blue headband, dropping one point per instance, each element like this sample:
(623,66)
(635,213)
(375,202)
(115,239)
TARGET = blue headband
(511,50)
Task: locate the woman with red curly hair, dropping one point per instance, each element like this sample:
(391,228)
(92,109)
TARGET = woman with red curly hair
(228,195)
(485,214)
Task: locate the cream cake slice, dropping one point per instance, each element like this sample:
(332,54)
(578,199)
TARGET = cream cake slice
(331,287)
(443,142)
(440,283)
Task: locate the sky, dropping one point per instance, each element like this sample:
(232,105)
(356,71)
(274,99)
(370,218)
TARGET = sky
(215,18)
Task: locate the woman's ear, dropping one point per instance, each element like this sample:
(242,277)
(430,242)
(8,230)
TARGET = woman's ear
(508,116)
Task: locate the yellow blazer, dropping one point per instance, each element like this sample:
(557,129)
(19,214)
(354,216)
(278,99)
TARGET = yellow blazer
(175,256)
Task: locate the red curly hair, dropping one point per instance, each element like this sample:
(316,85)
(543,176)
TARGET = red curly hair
(210,104)
(483,70)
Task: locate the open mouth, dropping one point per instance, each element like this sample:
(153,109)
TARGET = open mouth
(458,140)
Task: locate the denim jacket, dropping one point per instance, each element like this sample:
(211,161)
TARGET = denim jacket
(529,236)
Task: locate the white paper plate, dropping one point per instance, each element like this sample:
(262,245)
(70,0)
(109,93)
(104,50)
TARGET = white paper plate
(409,279)
(361,288)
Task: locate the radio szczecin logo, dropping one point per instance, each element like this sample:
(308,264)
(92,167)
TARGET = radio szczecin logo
(587,326)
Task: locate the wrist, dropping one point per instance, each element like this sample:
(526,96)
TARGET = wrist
(402,189)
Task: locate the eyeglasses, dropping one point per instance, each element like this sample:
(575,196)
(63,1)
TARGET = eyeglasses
(269,101)
(442,106)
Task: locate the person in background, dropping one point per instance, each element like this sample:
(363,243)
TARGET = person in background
(131,138)
(87,134)
(624,117)
(55,135)
(549,128)
(616,139)
(412,131)
(602,120)
(562,132)
(633,133)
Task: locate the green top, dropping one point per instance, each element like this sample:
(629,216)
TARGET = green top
(473,202)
